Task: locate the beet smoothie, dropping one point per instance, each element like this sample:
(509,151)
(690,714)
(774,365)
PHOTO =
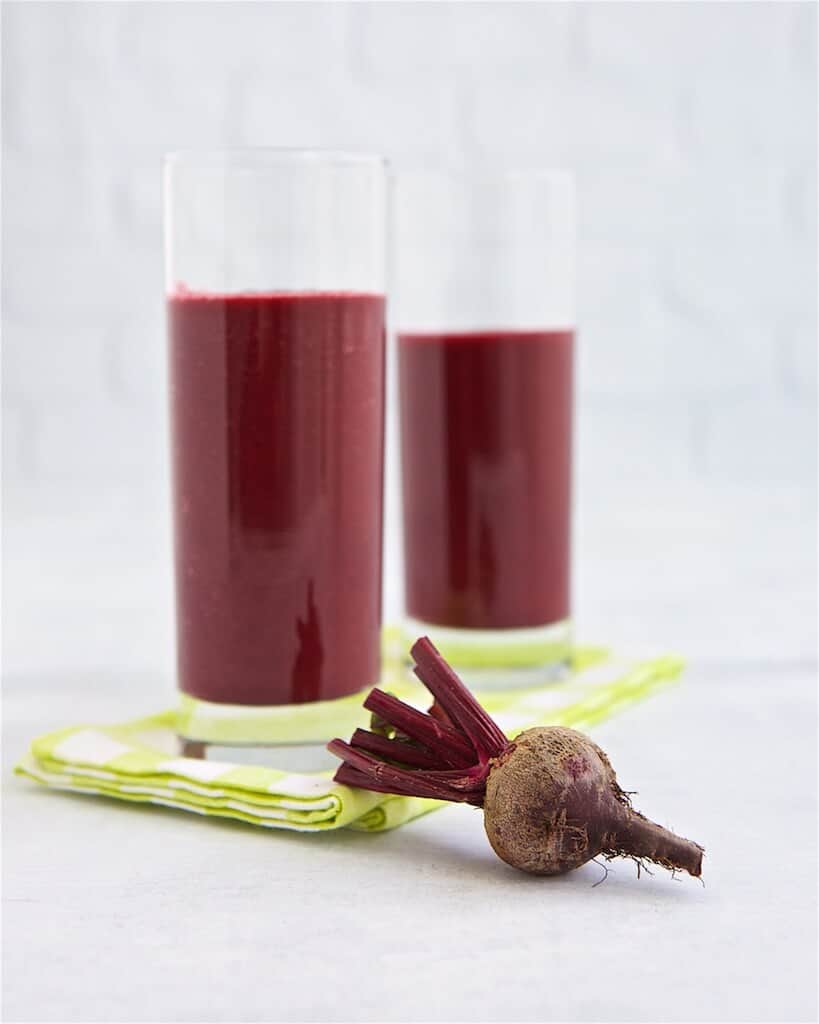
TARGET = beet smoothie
(486,424)
(277,422)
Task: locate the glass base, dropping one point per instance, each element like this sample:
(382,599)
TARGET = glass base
(291,757)
(202,723)
(500,658)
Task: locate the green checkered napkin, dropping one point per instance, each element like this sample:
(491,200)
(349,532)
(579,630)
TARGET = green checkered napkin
(139,761)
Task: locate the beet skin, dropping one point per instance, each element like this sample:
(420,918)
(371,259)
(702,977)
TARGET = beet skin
(552,803)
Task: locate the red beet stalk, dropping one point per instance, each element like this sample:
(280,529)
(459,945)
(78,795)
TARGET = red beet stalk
(445,755)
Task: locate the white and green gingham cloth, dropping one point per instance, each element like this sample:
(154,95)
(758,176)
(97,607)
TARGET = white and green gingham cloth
(139,760)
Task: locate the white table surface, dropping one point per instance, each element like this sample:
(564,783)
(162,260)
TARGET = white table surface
(123,913)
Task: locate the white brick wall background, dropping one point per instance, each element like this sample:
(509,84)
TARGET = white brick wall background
(692,131)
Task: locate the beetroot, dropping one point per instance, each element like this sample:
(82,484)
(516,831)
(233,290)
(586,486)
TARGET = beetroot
(550,797)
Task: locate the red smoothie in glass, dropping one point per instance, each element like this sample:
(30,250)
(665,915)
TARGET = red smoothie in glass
(486,425)
(277,423)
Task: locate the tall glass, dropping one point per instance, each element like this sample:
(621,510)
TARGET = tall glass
(275,298)
(485,321)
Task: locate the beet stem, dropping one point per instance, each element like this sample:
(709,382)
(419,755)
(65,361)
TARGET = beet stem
(456,700)
(399,751)
(457,742)
(457,785)
(402,781)
(439,738)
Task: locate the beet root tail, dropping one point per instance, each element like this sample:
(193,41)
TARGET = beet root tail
(642,839)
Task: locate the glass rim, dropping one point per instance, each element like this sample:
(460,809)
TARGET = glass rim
(237,156)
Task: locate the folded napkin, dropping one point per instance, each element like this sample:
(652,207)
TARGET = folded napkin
(139,760)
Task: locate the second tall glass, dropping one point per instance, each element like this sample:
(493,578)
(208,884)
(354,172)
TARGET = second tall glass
(275,293)
(485,319)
